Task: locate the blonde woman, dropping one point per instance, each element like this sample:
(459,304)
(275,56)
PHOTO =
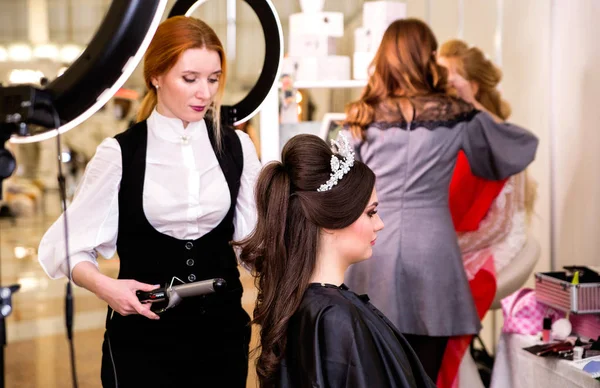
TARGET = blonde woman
(490,217)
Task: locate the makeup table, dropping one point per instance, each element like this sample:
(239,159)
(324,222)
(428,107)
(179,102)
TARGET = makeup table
(517,368)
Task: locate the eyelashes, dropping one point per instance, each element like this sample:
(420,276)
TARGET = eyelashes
(192,80)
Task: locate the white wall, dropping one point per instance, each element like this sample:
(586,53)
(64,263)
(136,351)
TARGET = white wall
(526,85)
(575,120)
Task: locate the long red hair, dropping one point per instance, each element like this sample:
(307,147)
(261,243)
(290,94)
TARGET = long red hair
(174,36)
(404,66)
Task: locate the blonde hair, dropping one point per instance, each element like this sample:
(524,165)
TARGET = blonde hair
(472,65)
(174,36)
(530,195)
(404,66)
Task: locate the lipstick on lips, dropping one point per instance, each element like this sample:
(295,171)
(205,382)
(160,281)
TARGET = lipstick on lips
(373,242)
(197,108)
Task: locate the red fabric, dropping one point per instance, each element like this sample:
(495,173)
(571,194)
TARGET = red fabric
(483,288)
(470,197)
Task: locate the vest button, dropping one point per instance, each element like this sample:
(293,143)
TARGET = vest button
(189,245)
(190,262)
(192,277)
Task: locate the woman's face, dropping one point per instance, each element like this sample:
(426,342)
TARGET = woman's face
(188,89)
(463,88)
(355,242)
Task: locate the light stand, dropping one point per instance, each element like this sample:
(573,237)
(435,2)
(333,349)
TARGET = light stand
(20,105)
(5,310)
(7,166)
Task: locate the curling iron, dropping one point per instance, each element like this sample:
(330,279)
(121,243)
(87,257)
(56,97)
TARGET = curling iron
(173,295)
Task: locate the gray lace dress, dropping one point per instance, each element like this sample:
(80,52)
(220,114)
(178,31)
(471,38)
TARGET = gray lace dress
(416,275)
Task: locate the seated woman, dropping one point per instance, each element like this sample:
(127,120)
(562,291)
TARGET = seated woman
(317,215)
(490,217)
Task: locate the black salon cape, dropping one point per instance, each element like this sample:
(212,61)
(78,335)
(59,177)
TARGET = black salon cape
(338,339)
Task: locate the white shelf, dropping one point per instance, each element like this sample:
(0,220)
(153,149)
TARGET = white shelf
(269,113)
(341,84)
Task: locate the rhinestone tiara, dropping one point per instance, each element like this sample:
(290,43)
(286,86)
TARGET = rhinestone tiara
(339,168)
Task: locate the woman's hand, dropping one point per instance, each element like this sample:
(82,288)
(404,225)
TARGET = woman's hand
(463,88)
(120,295)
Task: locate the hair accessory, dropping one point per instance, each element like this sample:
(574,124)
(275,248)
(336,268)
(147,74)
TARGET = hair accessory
(339,167)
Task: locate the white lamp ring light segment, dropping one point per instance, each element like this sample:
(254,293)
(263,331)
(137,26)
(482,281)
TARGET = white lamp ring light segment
(107,62)
(111,57)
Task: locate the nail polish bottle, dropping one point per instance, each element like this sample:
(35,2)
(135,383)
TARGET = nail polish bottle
(546,328)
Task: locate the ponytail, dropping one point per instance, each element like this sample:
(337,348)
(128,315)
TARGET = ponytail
(282,253)
(147,106)
(272,200)
(278,265)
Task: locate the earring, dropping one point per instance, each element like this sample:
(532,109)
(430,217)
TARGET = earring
(156,86)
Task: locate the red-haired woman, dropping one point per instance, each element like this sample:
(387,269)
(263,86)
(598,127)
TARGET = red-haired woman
(410,132)
(168,195)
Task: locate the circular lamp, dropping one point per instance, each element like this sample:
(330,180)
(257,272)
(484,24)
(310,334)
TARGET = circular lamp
(96,75)
(108,61)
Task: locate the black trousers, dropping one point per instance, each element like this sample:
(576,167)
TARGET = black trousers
(212,352)
(430,351)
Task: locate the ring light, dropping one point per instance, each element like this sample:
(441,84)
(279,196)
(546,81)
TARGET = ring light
(98,73)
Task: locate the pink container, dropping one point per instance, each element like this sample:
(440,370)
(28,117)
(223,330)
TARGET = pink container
(586,325)
(555,289)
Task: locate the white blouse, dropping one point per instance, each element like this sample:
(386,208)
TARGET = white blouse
(185,194)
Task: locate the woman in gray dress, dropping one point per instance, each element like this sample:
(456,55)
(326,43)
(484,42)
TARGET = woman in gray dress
(410,131)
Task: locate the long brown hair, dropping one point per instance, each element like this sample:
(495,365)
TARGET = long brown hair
(282,250)
(404,66)
(472,65)
(174,36)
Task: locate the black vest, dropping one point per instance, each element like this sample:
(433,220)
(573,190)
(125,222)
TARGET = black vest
(149,256)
